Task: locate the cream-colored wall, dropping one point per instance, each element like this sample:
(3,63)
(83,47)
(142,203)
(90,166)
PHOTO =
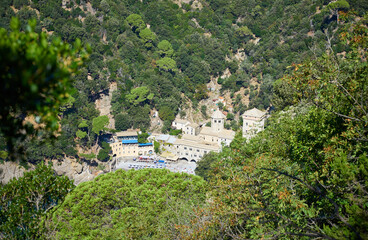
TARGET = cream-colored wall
(130,150)
(189,130)
(209,138)
(190,152)
(178,125)
(225,141)
(252,127)
(217,124)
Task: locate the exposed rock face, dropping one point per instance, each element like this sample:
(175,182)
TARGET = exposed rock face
(103,104)
(9,170)
(68,167)
(73,170)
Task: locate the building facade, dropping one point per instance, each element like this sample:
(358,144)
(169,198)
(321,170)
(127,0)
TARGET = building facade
(193,145)
(125,144)
(253,122)
(185,126)
(193,150)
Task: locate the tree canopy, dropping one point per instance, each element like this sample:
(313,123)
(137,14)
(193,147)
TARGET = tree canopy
(305,175)
(26,200)
(35,75)
(133,204)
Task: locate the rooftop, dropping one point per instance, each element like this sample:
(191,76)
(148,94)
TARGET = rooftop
(228,134)
(193,125)
(127,133)
(182,121)
(254,112)
(165,137)
(191,137)
(185,142)
(218,114)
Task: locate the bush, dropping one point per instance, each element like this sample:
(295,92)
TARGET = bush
(124,204)
(103,154)
(26,200)
(123,122)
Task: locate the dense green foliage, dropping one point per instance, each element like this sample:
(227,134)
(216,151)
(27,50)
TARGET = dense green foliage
(154,51)
(35,80)
(306,175)
(204,167)
(125,205)
(24,201)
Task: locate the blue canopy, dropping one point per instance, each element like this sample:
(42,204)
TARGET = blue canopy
(145,144)
(129,141)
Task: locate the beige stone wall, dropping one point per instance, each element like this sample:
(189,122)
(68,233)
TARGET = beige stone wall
(130,150)
(252,126)
(190,152)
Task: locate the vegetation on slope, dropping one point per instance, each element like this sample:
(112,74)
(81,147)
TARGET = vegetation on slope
(156,51)
(306,175)
(127,205)
(24,201)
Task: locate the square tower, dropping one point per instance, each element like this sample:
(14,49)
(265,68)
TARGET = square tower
(217,121)
(253,122)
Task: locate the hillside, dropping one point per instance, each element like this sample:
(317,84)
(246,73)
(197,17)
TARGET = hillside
(304,176)
(162,55)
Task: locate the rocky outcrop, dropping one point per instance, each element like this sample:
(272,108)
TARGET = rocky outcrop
(68,167)
(9,170)
(73,170)
(103,104)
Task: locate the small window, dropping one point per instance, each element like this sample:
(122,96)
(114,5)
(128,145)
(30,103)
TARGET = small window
(215,121)
(190,149)
(197,150)
(185,148)
(205,151)
(186,154)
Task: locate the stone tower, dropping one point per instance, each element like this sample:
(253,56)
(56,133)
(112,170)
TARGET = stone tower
(217,121)
(253,122)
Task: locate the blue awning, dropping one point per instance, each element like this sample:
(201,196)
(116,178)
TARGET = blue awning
(145,144)
(129,141)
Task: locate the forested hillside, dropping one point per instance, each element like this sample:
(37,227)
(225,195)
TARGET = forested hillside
(305,176)
(161,54)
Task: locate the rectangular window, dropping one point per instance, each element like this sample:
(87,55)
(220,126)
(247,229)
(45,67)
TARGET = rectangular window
(190,149)
(197,150)
(185,148)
